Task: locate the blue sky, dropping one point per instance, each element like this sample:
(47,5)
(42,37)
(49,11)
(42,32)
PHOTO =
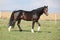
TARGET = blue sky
(29,5)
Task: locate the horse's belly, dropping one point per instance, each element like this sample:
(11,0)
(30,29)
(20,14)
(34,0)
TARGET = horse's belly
(27,18)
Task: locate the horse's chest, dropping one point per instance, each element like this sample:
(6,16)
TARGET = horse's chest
(35,17)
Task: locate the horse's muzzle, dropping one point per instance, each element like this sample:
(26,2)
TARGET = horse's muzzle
(46,14)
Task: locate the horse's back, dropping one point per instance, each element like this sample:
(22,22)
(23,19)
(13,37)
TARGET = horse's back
(25,15)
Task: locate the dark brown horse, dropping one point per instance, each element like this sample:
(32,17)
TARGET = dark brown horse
(33,16)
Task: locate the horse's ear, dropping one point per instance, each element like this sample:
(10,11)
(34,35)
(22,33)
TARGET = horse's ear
(45,6)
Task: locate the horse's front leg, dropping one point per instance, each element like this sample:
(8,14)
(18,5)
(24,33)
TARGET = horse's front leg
(38,25)
(33,27)
(18,24)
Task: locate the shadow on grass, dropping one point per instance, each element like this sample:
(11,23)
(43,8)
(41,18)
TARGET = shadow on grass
(44,32)
(30,31)
(21,31)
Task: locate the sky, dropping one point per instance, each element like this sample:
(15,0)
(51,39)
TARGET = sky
(11,5)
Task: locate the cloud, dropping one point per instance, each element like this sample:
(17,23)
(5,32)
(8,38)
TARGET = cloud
(36,4)
(9,5)
(53,3)
(28,4)
(50,3)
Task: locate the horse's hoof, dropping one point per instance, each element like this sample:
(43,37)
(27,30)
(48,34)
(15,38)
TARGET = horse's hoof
(20,30)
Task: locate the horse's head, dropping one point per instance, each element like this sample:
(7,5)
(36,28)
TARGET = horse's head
(45,10)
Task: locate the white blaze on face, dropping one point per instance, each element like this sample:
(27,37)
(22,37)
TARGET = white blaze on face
(38,28)
(9,28)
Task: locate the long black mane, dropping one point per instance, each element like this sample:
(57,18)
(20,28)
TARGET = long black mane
(38,10)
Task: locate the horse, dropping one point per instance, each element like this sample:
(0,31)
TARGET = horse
(32,15)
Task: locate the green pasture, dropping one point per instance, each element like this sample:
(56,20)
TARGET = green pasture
(50,30)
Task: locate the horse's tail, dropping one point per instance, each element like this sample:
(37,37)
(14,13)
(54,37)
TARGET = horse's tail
(11,21)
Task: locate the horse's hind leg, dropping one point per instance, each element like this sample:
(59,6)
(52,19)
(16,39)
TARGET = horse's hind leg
(18,23)
(38,25)
(11,25)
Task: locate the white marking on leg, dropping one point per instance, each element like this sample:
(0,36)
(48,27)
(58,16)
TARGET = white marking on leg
(38,28)
(9,28)
(32,30)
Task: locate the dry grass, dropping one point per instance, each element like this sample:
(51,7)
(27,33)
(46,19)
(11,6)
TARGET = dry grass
(52,16)
(6,15)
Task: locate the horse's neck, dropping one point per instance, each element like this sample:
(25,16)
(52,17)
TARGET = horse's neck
(40,12)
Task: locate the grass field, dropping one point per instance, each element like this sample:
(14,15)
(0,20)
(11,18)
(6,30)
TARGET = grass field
(49,31)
